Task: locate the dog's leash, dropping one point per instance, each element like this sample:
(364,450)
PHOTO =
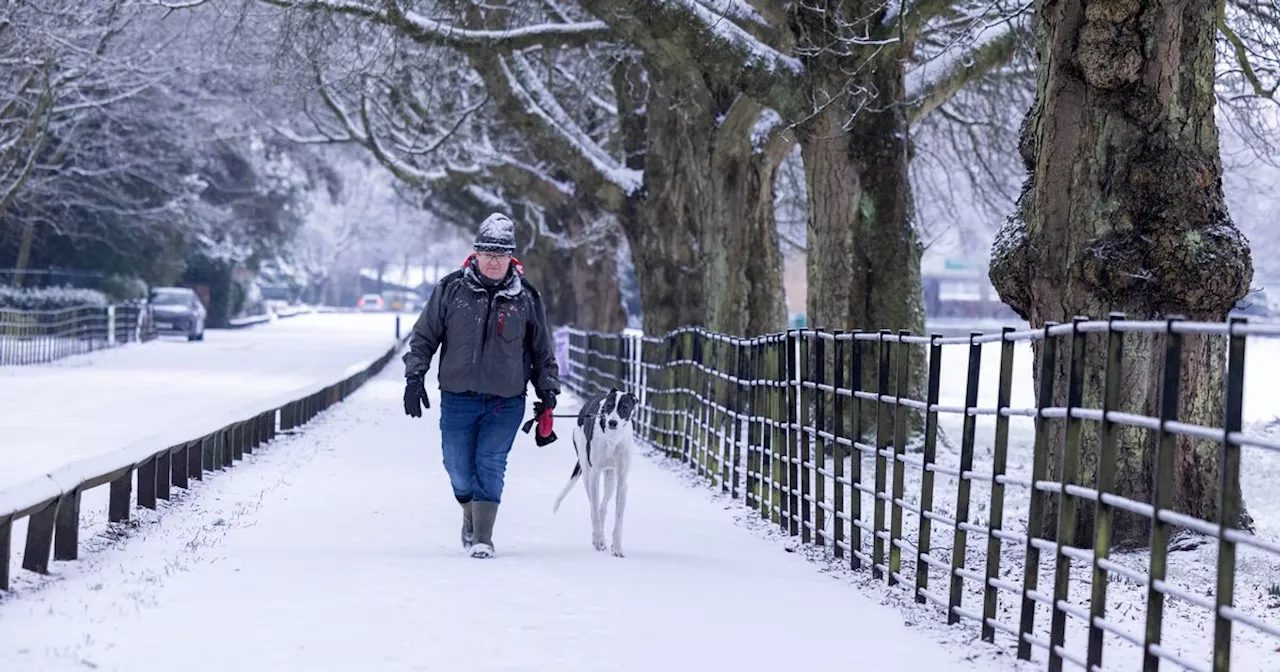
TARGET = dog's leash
(545,434)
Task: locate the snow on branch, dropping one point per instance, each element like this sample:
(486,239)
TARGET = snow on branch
(442,33)
(684,31)
(965,58)
(538,100)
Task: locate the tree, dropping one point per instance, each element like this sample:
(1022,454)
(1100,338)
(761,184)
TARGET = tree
(684,242)
(1123,210)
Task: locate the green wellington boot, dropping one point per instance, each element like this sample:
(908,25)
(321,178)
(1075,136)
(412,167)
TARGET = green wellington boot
(484,514)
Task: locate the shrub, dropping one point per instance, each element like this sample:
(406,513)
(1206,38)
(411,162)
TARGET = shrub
(49,298)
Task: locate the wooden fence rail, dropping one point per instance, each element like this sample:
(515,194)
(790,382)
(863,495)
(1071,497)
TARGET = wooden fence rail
(789,424)
(155,466)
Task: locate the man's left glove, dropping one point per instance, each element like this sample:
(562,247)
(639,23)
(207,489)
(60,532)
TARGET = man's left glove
(415,396)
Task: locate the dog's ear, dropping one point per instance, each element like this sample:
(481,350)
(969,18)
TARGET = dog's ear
(626,405)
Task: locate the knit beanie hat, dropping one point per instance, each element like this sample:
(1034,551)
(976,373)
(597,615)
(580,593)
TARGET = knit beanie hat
(497,234)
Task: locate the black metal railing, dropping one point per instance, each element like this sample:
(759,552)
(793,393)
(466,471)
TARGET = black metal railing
(40,336)
(788,424)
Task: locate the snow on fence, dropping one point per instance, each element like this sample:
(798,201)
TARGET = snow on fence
(40,336)
(157,464)
(831,463)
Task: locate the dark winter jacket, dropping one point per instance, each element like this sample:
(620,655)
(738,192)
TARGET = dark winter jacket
(492,337)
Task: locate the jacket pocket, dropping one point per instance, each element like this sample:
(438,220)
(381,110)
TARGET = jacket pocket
(511,326)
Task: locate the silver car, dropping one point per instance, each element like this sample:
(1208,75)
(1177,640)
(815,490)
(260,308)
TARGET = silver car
(178,310)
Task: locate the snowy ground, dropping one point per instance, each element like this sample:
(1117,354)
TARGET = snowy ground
(1188,628)
(86,405)
(337,549)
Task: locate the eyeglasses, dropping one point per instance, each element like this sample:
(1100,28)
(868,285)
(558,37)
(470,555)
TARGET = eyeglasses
(489,257)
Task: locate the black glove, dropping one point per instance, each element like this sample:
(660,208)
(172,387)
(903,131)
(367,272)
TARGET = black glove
(547,401)
(414,394)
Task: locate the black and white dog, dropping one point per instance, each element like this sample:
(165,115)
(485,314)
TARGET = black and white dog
(603,442)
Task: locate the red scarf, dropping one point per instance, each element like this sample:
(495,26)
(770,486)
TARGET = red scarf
(519,266)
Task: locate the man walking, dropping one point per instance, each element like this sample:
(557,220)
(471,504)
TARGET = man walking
(490,327)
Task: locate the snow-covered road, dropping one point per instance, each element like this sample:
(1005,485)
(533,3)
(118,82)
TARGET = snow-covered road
(88,405)
(336,549)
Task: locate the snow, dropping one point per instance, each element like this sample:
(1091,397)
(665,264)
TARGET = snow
(497,226)
(1187,628)
(336,549)
(527,86)
(763,129)
(92,404)
(735,36)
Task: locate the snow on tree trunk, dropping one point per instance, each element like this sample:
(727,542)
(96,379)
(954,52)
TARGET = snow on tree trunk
(1124,211)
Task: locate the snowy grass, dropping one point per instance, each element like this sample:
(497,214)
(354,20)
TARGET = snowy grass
(1187,631)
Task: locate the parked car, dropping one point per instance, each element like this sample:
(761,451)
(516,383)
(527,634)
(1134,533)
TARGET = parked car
(371,302)
(178,310)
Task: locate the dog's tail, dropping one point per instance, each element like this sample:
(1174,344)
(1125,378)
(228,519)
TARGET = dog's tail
(573,480)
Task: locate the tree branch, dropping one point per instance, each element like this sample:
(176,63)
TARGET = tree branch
(440,33)
(723,51)
(1242,55)
(972,64)
(546,132)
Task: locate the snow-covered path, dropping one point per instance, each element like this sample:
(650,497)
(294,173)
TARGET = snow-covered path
(336,549)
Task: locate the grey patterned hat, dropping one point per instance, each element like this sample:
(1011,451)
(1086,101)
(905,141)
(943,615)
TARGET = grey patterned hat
(497,234)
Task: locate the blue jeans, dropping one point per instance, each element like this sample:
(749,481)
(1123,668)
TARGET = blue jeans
(477,431)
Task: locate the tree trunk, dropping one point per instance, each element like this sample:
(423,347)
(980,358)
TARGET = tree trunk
(863,251)
(745,269)
(701,232)
(597,295)
(1124,211)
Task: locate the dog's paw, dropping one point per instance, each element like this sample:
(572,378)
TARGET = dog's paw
(617,552)
(599,544)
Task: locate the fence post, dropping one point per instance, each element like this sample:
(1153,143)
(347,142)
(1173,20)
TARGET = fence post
(164,472)
(804,439)
(924,538)
(1162,492)
(792,436)
(6,541)
(741,433)
(40,539)
(1035,508)
(1004,394)
(837,451)
(777,434)
(118,500)
(66,540)
(900,387)
(147,483)
(1228,495)
(882,444)
(111,326)
(1106,480)
(819,426)
(965,482)
(855,457)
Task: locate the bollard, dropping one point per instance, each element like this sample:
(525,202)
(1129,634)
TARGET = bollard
(397,327)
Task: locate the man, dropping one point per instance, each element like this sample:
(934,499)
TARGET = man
(489,324)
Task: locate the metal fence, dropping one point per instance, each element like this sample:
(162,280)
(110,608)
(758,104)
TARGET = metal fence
(40,336)
(784,423)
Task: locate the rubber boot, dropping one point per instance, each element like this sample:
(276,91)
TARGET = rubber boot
(484,514)
(468,526)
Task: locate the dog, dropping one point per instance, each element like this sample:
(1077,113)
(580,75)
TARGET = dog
(604,441)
